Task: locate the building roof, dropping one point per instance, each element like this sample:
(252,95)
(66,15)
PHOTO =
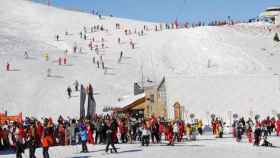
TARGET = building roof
(273,7)
(271,12)
(129,102)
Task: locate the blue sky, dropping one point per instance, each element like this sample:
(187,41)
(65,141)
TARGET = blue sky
(168,10)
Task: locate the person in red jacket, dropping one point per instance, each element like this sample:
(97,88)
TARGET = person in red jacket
(45,144)
(64,60)
(170,134)
(90,134)
(181,130)
(249,134)
(39,132)
(278,127)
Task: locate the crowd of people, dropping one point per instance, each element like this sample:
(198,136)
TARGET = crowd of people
(113,129)
(257,132)
(108,129)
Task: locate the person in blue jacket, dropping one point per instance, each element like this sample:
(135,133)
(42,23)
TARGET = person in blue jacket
(84,137)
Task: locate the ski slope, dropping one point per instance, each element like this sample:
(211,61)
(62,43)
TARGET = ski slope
(198,63)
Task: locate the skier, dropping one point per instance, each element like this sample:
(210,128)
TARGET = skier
(69,90)
(120,58)
(26,56)
(46,55)
(97,64)
(84,137)
(103,66)
(76,84)
(49,72)
(96,50)
(75,49)
(121,54)
(59,61)
(8,66)
(119,40)
(57,37)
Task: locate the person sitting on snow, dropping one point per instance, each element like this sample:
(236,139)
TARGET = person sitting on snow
(266,142)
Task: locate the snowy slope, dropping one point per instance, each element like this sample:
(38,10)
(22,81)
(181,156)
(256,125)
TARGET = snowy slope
(231,56)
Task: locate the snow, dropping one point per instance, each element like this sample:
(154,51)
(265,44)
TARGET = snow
(206,146)
(215,69)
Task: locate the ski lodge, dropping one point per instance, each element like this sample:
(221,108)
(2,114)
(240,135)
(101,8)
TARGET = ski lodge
(149,100)
(272,13)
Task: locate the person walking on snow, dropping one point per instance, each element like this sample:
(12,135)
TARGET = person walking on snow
(109,136)
(26,56)
(121,55)
(45,141)
(59,61)
(103,65)
(175,132)
(97,64)
(69,91)
(249,130)
(8,66)
(64,60)
(278,127)
(119,40)
(145,140)
(84,138)
(76,84)
(49,72)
